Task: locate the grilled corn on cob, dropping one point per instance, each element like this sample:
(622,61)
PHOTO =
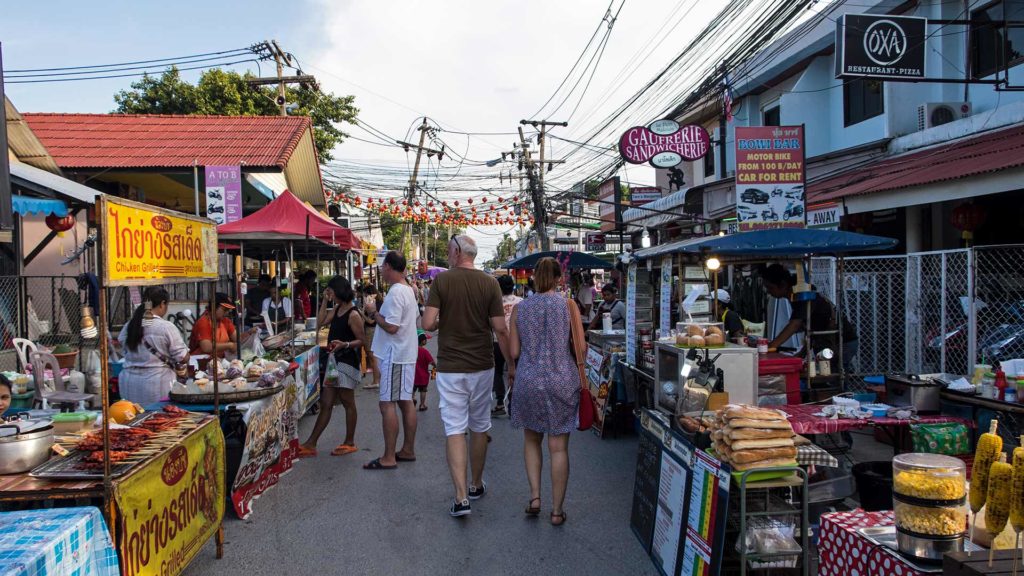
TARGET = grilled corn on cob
(1017,494)
(990,445)
(997,506)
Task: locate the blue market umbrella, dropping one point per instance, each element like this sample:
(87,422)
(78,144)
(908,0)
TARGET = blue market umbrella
(577,261)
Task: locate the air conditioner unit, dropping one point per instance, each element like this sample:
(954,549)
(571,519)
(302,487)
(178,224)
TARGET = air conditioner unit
(938,113)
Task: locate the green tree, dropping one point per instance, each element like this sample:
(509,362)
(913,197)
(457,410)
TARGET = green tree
(437,238)
(504,252)
(227,93)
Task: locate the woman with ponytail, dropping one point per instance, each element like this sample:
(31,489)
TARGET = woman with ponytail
(153,350)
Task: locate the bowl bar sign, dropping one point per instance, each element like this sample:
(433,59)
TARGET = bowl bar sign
(664,143)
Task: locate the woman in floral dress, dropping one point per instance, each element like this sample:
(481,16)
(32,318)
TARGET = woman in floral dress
(545,397)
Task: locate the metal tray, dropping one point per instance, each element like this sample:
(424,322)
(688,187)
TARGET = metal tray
(225,397)
(885,536)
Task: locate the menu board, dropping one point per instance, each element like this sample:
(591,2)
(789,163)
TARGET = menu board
(668,520)
(705,526)
(665,308)
(631,315)
(645,488)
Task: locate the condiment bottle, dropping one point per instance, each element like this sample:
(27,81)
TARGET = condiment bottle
(1010,395)
(1001,384)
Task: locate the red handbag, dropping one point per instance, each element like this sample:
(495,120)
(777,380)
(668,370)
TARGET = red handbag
(587,412)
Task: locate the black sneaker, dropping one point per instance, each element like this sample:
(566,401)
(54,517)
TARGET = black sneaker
(477,493)
(498,411)
(460,509)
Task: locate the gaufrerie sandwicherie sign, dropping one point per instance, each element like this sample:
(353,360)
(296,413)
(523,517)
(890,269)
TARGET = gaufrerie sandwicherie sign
(146,245)
(664,143)
(880,46)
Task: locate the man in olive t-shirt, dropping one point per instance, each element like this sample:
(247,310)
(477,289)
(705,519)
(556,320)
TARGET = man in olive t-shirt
(468,302)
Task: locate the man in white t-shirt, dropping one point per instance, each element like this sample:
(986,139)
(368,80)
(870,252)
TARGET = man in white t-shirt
(395,345)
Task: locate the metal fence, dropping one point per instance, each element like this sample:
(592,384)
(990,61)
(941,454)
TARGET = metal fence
(932,311)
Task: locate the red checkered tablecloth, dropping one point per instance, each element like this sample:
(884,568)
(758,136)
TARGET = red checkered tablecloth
(842,551)
(801,417)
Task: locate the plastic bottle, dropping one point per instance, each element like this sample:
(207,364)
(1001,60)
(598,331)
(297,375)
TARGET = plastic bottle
(1001,384)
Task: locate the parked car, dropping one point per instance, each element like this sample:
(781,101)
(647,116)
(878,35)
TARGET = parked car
(754,196)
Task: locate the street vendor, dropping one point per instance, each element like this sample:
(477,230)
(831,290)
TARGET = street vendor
(612,305)
(726,315)
(303,288)
(779,283)
(203,340)
(154,352)
(278,309)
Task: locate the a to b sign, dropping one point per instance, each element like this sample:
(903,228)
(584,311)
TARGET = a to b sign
(880,46)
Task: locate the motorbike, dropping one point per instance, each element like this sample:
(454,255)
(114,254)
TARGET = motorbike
(1000,333)
(793,210)
(770,214)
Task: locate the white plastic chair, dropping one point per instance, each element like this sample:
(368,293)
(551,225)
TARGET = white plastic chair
(48,390)
(24,347)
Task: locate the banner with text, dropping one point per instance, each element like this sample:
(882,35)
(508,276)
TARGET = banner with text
(172,505)
(271,441)
(224,193)
(146,245)
(770,174)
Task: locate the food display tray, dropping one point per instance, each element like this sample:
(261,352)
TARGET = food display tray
(225,397)
(63,467)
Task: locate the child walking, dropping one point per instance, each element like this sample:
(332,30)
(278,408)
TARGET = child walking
(424,365)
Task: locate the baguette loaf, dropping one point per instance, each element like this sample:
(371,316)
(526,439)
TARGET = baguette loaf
(753,413)
(772,463)
(799,440)
(756,433)
(757,444)
(747,423)
(748,456)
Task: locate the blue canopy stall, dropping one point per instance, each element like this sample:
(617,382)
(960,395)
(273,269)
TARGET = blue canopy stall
(778,244)
(577,261)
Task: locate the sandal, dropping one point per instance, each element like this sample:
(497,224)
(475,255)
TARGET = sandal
(531,510)
(399,458)
(343,449)
(304,452)
(558,519)
(423,407)
(376,465)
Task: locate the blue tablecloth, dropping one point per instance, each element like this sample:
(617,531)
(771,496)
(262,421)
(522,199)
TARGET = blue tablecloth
(58,541)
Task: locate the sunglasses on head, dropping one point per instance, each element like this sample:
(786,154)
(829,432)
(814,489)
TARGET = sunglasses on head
(455,238)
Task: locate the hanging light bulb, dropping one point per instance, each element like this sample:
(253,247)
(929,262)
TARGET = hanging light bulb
(645,239)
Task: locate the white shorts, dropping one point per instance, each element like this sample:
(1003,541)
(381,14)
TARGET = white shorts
(396,380)
(465,401)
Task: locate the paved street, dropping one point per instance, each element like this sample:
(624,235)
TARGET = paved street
(328,516)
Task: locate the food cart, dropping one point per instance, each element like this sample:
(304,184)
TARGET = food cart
(165,466)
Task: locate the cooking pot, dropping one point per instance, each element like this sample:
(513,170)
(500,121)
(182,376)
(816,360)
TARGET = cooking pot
(24,444)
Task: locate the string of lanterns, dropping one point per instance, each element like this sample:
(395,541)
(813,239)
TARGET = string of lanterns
(442,213)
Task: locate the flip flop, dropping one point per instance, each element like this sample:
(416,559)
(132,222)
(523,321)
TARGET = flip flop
(343,449)
(376,465)
(404,459)
(423,407)
(305,452)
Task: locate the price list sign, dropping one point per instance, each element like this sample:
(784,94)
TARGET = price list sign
(709,497)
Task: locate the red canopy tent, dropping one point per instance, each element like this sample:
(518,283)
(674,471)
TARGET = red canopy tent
(288,218)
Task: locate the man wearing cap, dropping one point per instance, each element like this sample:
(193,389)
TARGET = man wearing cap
(611,305)
(726,315)
(203,340)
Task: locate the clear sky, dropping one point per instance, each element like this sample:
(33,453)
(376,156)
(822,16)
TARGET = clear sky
(473,65)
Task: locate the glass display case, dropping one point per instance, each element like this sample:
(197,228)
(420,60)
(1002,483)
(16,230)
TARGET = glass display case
(738,365)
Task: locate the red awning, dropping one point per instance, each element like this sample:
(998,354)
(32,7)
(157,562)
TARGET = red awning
(288,218)
(989,152)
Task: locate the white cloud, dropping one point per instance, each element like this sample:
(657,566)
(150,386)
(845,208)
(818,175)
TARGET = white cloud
(480,66)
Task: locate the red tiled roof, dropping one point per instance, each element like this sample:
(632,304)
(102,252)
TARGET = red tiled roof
(989,152)
(167,141)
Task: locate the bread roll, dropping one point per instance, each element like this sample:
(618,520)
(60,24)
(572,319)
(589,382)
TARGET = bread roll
(694,330)
(753,413)
(799,440)
(714,330)
(771,463)
(757,433)
(748,456)
(682,340)
(744,423)
(696,341)
(754,444)
(714,339)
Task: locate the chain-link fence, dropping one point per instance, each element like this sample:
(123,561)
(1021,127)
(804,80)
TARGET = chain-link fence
(999,303)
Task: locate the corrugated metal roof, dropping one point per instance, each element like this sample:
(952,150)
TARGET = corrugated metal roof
(23,143)
(989,152)
(30,175)
(167,141)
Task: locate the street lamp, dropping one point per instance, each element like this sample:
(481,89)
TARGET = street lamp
(714,264)
(645,239)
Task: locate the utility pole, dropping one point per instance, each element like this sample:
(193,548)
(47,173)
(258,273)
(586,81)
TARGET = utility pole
(537,180)
(271,49)
(420,149)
